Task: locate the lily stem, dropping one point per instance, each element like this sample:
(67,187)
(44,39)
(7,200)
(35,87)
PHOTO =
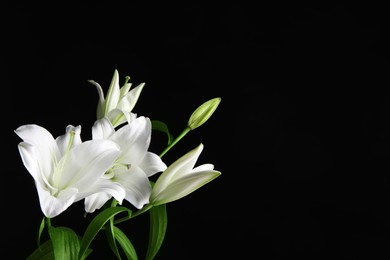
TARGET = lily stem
(177,139)
(48,223)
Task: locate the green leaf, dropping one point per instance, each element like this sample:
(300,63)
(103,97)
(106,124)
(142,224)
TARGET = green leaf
(162,127)
(66,244)
(109,230)
(41,228)
(158,227)
(96,225)
(43,252)
(125,243)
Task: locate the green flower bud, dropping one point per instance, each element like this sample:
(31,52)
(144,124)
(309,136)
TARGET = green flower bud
(203,113)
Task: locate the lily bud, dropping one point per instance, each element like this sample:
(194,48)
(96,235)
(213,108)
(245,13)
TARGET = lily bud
(203,113)
(182,178)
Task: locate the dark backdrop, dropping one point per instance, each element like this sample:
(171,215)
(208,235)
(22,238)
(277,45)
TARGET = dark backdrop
(301,135)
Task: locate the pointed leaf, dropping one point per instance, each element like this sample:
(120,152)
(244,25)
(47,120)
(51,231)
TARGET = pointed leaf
(162,127)
(43,252)
(66,244)
(109,230)
(96,225)
(125,243)
(41,228)
(158,227)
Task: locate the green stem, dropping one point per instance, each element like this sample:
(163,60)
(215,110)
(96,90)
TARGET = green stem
(48,223)
(114,202)
(177,139)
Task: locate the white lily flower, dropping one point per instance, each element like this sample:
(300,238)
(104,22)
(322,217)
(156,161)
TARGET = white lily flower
(181,178)
(117,101)
(134,164)
(65,169)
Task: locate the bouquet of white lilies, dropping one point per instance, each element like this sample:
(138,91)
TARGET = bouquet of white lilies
(114,166)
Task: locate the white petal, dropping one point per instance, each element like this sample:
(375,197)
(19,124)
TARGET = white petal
(53,206)
(63,140)
(87,162)
(96,201)
(102,129)
(129,100)
(46,151)
(113,94)
(116,117)
(104,189)
(134,140)
(152,164)
(125,88)
(130,117)
(177,169)
(29,159)
(102,103)
(136,184)
(183,186)
(113,188)
(202,168)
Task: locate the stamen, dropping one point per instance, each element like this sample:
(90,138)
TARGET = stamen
(72,134)
(59,169)
(127,80)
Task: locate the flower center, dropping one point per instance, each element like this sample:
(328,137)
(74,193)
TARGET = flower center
(110,174)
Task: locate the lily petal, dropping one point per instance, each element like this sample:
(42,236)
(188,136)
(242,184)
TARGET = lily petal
(129,100)
(125,88)
(64,140)
(102,102)
(117,117)
(137,185)
(130,116)
(98,156)
(96,201)
(181,179)
(29,154)
(102,129)
(152,164)
(45,148)
(134,140)
(183,186)
(52,206)
(113,94)
(105,189)
(177,169)
(202,168)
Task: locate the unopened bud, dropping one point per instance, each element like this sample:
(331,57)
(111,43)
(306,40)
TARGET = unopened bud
(203,113)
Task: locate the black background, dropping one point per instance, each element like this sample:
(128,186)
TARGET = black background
(301,134)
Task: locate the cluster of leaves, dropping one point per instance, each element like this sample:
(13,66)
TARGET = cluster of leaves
(64,243)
